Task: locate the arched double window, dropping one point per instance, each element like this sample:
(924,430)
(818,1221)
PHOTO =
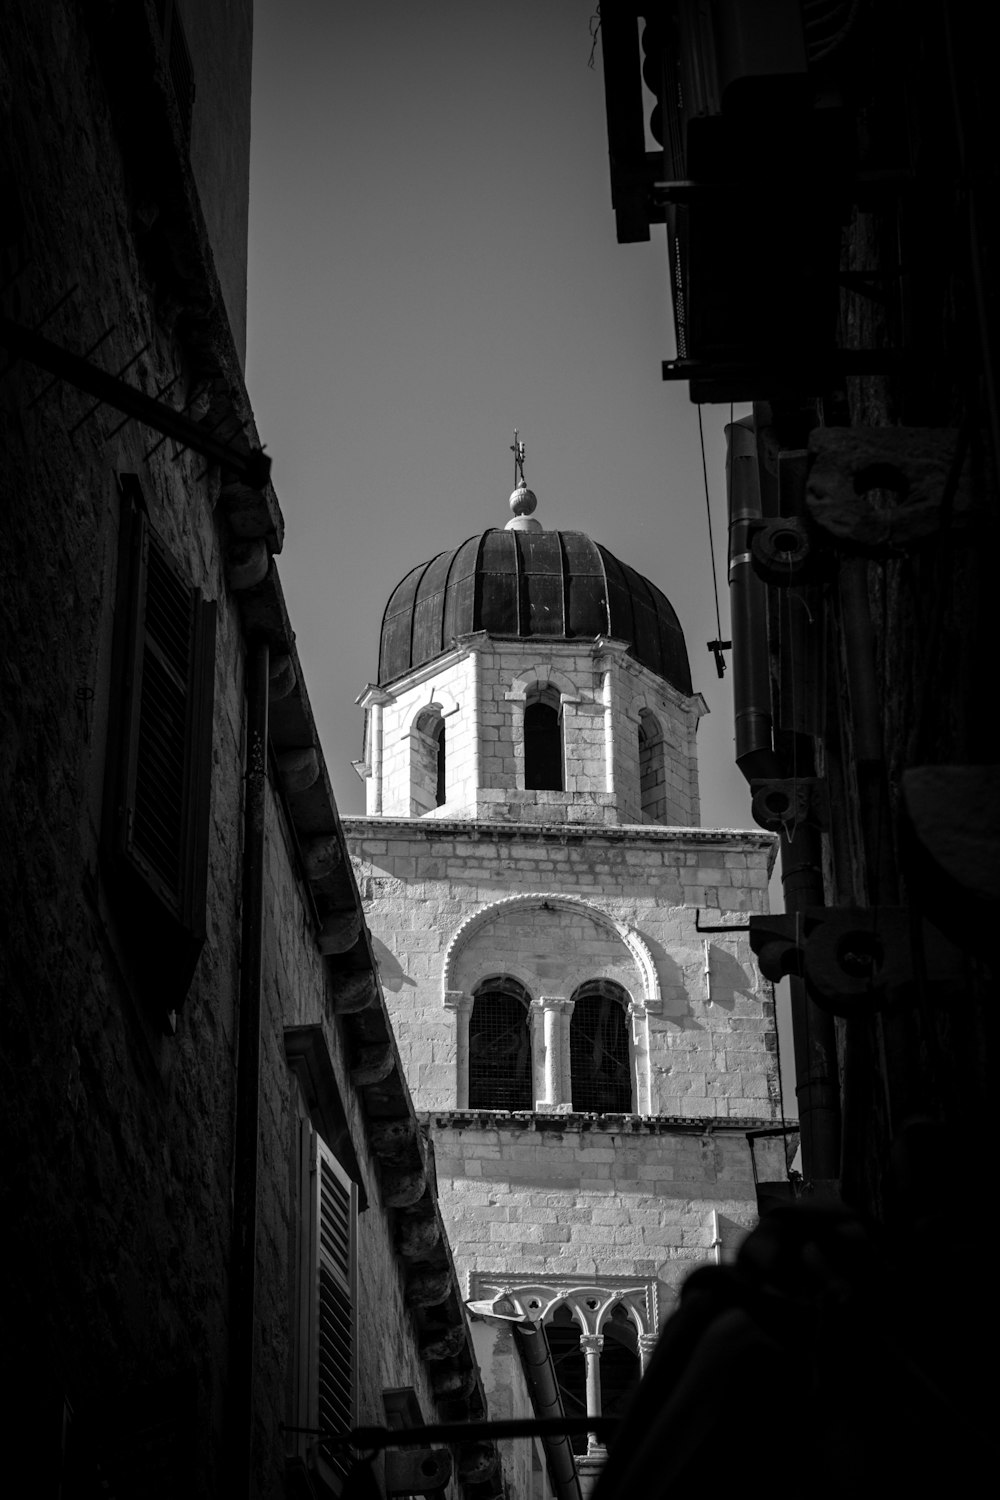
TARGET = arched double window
(427,763)
(543,741)
(652,769)
(599,1058)
(500,1046)
(615,1351)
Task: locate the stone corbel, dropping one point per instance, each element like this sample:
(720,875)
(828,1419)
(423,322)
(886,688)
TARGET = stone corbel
(878,488)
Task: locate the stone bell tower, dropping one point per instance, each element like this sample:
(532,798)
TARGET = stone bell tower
(562,946)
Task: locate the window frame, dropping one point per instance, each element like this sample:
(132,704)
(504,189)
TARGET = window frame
(151,665)
(616,995)
(321,1178)
(428,762)
(504,985)
(545,696)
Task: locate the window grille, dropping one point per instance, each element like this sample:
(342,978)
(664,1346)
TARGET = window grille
(600,1067)
(500,1047)
(543,748)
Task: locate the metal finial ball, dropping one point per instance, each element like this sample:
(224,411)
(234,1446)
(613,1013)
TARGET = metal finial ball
(523,501)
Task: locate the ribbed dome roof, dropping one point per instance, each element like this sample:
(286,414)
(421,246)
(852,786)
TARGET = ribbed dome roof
(532,585)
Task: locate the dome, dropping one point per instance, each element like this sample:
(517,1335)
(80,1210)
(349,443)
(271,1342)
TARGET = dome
(530,585)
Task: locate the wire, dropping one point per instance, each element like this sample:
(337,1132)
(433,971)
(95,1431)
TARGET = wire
(711,538)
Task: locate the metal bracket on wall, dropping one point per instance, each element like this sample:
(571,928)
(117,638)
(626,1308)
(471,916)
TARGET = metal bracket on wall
(854,960)
(785,801)
(249,464)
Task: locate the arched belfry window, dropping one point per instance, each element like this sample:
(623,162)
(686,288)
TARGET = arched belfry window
(600,1065)
(500,1046)
(543,746)
(427,763)
(652,769)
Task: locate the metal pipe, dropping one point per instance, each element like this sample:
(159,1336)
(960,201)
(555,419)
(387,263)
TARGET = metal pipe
(248,1062)
(748,609)
(536,1360)
(814,1040)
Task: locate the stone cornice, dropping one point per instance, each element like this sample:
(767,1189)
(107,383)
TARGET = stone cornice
(499,1119)
(736,839)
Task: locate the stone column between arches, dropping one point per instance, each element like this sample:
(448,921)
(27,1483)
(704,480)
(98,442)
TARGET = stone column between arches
(550,1052)
(461,1003)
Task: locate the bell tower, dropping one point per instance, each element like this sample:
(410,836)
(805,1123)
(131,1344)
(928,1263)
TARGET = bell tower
(530,675)
(563,948)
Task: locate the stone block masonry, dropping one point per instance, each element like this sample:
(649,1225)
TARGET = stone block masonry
(456,902)
(608,704)
(588,1196)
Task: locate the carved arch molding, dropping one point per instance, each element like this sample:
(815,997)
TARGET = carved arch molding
(649,983)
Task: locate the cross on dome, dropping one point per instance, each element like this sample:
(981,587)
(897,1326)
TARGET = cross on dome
(522,501)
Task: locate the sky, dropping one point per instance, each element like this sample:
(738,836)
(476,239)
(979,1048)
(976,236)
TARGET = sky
(433,263)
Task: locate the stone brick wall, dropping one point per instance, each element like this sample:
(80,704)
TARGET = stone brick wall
(117,1139)
(592,1196)
(298,993)
(706,1019)
(480,688)
(117,1135)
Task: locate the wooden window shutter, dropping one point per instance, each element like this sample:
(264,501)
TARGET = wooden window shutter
(328,1326)
(160,780)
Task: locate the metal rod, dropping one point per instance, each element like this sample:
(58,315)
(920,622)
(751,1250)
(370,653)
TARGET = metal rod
(375,1439)
(248,1065)
(117,376)
(85,355)
(156,396)
(253,467)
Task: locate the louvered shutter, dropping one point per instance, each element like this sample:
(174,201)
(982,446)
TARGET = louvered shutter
(161,782)
(332,1328)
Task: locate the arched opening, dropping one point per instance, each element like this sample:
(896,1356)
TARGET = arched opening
(543,747)
(652,769)
(600,1065)
(620,1363)
(427,763)
(563,1333)
(500,1046)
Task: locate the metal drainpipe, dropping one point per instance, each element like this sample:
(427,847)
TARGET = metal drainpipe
(813,1035)
(536,1358)
(748,608)
(814,1038)
(247,1125)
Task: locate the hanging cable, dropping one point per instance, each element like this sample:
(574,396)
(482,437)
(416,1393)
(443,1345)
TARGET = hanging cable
(718,645)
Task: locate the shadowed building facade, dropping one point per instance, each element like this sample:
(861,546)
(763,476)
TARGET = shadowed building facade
(563,948)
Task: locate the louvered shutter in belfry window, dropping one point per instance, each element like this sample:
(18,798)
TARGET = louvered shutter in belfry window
(334,1210)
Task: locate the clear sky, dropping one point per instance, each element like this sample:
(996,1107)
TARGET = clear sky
(433,262)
